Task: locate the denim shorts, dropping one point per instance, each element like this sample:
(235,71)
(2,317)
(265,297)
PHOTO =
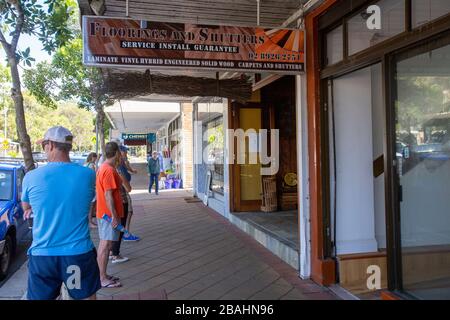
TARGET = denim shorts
(79,273)
(106,231)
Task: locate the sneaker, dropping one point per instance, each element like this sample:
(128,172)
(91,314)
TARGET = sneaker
(119,259)
(130,237)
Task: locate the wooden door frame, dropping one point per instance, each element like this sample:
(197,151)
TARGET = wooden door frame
(236,204)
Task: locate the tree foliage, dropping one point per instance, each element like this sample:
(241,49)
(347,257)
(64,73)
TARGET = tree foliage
(39,118)
(48,20)
(67,78)
(419,99)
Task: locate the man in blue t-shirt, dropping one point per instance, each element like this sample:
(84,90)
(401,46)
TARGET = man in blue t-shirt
(59,195)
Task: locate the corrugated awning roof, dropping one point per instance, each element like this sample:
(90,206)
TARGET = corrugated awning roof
(273,13)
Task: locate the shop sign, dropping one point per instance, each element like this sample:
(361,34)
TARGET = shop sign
(150,137)
(109,42)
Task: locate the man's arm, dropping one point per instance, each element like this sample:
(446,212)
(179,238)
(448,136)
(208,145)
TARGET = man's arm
(125,183)
(111,206)
(27,210)
(128,166)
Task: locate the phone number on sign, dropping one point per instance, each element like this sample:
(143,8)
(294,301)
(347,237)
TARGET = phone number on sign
(275,56)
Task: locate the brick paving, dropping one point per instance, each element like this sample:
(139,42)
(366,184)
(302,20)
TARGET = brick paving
(189,252)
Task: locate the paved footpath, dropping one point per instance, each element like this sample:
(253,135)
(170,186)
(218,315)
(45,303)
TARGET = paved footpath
(188,251)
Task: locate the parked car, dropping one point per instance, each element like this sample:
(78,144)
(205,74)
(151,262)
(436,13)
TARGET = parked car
(13,228)
(78,159)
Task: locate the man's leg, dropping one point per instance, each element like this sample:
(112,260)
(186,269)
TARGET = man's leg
(130,213)
(152,180)
(156,183)
(151,183)
(116,244)
(103,254)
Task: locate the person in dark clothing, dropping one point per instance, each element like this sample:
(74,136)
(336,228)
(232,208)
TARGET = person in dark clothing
(154,171)
(125,188)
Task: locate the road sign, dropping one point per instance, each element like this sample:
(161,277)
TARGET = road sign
(5,145)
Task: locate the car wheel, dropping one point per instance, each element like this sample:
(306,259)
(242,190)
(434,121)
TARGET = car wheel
(5,258)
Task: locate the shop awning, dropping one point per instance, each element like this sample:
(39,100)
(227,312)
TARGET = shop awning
(141,115)
(273,13)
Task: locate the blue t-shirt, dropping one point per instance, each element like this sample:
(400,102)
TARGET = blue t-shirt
(123,169)
(60,196)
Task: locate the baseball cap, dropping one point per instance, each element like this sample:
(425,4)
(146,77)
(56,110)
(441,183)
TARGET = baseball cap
(57,134)
(123,148)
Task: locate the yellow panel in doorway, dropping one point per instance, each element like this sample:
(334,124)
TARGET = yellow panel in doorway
(250,118)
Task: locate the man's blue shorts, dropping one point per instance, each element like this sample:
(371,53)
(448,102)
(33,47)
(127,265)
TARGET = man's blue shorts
(46,274)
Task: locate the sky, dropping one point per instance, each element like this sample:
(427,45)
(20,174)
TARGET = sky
(33,43)
(35,46)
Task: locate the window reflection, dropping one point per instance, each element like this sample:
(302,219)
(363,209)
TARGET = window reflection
(360,37)
(335,46)
(424,11)
(216,153)
(423,153)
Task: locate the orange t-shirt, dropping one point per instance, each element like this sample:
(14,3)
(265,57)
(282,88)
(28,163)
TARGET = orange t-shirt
(108,179)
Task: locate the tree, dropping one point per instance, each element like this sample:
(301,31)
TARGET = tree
(39,118)
(50,24)
(67,78)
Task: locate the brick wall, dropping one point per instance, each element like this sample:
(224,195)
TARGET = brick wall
(187,143)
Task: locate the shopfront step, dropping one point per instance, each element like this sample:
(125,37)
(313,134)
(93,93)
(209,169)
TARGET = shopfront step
(282,248)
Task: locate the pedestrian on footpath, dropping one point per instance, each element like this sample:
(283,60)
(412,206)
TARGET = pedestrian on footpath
(59,196)
(125,187)
(91,161)
(126,162)
(91,164)
(124,169)
(109,202)
(154,171)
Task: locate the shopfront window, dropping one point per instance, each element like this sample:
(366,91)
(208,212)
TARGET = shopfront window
(424,11)
(335,46)
(215,151)
(360,37)
(210,115)
(423,155)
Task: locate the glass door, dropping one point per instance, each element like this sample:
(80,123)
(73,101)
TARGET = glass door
(422,132)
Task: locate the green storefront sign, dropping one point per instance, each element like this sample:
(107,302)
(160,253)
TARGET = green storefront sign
(150,137)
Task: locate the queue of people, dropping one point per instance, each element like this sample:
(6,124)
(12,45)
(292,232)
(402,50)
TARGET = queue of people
(62,198)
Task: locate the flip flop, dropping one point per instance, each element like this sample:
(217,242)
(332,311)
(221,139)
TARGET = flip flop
(112,278)
(112,284)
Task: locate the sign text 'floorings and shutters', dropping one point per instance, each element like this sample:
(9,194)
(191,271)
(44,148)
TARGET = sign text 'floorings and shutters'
(127,42)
